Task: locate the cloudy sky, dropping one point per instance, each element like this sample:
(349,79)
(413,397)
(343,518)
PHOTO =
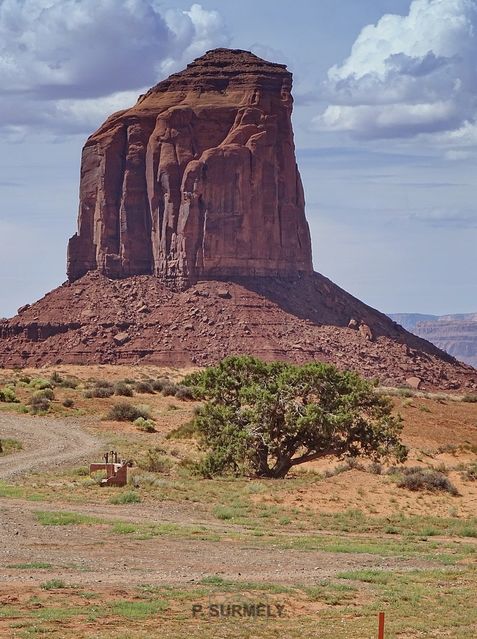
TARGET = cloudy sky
(385,126)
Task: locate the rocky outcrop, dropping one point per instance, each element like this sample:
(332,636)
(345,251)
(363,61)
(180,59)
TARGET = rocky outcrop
(198,180)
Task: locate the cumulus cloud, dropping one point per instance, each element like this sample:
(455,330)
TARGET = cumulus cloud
(408,75)
(64,63)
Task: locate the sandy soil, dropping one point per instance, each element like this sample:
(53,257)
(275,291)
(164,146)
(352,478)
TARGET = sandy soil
(47,443)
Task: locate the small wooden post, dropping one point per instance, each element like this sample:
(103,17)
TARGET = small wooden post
(381,626)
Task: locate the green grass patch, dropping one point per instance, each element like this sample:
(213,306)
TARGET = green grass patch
(47,518)
(129,497)
(10,490)
(9,446)
(138,609)
(53,584)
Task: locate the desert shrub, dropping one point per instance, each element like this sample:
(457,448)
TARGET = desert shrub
(169,389)
(155,460)
(375,468)
(68,402)
(102,383)
(123,389)
(39,404)
(56,378)
(144,387)
(47,393)
(184,392)
(8,395)
(126,412)
(53,584)
(184,431)
(24,379)
(100,390)
(69,382)
(158,384)
(129,497)
(470,473)
(39,383)
(470,398)
(9,445)
(417,478)
(146,425)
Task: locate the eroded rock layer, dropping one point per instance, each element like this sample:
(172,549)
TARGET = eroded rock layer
(198,180)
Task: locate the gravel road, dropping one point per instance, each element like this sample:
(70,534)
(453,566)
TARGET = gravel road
(46,443)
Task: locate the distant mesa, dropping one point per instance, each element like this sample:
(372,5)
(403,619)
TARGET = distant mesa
(193,244)
(455,334)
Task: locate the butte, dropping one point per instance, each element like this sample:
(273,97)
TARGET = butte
(193,244)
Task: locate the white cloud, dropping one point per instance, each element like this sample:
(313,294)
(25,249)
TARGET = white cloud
(63,63)
(408,75)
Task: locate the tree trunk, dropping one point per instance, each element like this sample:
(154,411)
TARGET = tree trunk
(262,460)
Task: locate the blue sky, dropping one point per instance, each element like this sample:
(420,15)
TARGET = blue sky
(385,107)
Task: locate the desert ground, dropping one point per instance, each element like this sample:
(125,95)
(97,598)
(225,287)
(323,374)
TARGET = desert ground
(330,546)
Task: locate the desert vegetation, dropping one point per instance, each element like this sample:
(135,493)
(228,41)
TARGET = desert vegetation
(340,536)
(263,419)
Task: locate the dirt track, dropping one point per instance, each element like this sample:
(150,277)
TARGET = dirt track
(46,443)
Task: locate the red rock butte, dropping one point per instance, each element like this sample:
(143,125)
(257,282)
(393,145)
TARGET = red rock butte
(193,244)
(197,181)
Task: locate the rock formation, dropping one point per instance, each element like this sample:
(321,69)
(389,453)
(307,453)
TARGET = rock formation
(193,244)
(197,181)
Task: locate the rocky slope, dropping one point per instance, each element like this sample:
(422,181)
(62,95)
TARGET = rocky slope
(197,180)
(455,334)
(139,319)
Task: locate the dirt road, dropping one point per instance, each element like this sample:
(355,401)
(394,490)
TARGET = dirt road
(46,443)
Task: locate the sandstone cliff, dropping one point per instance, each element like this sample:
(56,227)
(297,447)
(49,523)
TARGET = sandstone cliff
(198,180)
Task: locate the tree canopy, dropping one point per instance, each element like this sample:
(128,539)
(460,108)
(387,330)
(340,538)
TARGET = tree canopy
(262,419)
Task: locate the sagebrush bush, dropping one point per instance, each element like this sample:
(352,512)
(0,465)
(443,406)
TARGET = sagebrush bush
(56,378)
(39,383)
(123,389)
(417,478)
(8,395)
(39,404)
(101,389)
(158,384)
(47,393)
(144,387)
(471,398)
(146,425)
(68,402)
(184,393)
(69,382)
(470,473)
(155,461)
(125,412)
(102,383)
(169,389)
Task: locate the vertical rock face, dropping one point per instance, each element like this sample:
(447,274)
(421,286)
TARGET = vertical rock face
(197,181)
